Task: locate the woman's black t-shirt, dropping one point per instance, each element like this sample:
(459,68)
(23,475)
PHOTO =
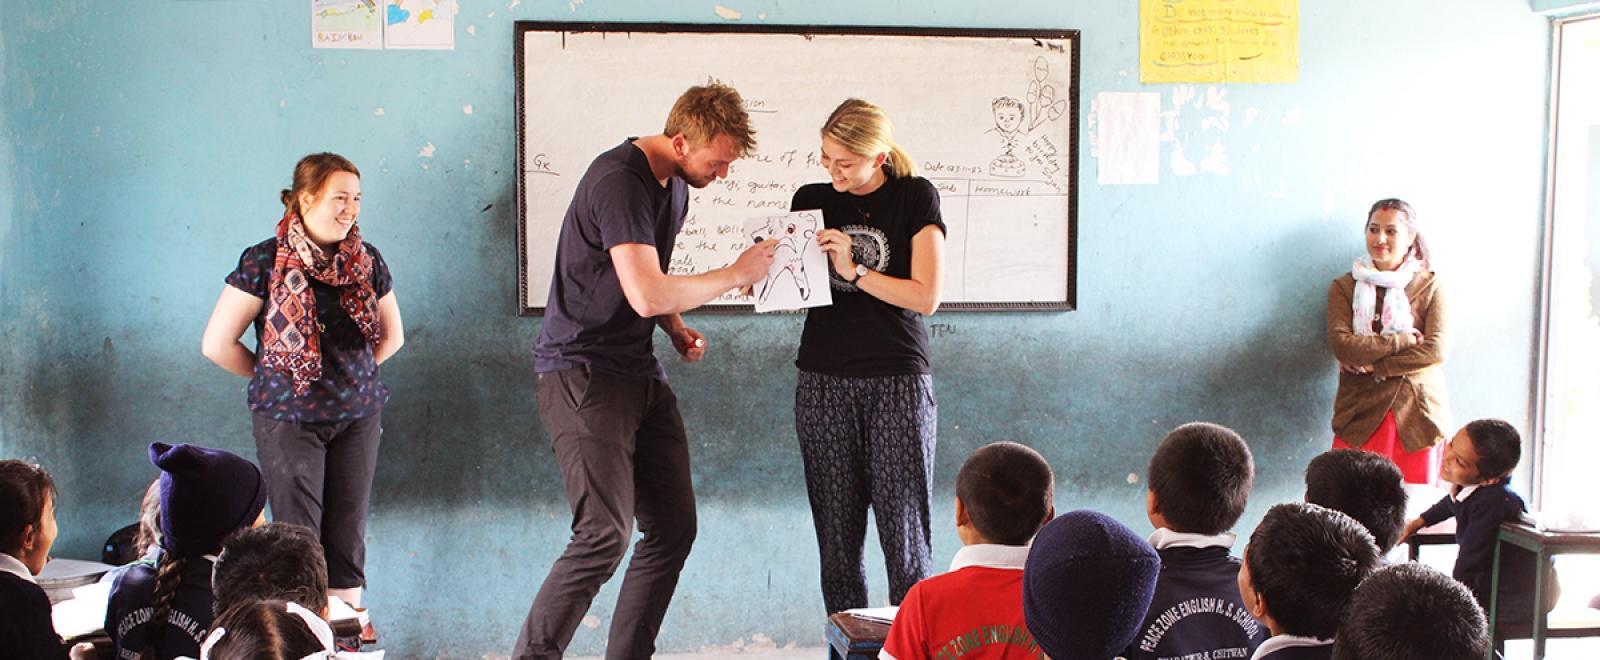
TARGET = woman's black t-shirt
(858,335)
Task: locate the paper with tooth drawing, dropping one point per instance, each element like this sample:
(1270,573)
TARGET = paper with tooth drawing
(798,277)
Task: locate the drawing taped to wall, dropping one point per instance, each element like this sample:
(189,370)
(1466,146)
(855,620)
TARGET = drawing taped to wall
(798,276)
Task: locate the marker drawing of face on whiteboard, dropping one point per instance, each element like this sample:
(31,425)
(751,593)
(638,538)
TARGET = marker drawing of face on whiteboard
(851,172)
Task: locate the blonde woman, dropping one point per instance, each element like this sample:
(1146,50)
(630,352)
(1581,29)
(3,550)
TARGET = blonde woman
(865,411)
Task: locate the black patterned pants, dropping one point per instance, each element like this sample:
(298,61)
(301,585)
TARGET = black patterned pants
(868,442)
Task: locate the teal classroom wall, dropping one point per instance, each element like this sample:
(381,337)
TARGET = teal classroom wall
(145,144)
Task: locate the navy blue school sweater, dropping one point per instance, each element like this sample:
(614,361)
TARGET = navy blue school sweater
(1197,609)
(1478,519)
(26,630)
(130,607)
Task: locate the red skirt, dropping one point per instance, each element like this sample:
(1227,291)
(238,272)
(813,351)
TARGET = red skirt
(1418,467)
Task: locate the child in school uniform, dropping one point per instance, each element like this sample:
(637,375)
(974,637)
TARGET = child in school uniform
(27,530)
(1364,485)
(1004,493)
(161,609)
(1199,482)
(1410,610)
(1300,568)
(1478,461)
(1086,586)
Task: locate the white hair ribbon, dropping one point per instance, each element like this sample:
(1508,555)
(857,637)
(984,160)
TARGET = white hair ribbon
(318,627)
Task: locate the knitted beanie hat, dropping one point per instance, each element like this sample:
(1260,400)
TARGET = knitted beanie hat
(206,494)
(1086,586)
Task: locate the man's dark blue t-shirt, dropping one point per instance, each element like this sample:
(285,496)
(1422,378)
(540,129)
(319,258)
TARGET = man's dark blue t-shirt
(587,320)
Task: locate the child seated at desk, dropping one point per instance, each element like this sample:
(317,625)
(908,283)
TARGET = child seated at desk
(1087,586)
(1364,485)
(161,608)
(1411,610)
(1004,493)
(27,530)
(1478,460)
(1199,482)
(1302,565)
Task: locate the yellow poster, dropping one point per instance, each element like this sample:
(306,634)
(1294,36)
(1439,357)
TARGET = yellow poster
(1238,41)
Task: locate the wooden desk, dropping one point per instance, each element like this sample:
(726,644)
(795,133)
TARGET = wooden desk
(854,638)
(1422,538)
(1545,545)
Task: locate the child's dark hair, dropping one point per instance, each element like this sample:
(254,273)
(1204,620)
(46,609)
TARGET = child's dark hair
(1499,447)
(1201,476)
(1364,486)
(24,487)
(1007,490)
(1412,611)
(276,561)
(1305,561)
(263,630)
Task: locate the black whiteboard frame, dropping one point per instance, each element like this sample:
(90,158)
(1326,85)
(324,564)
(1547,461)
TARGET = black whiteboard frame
(1073,37)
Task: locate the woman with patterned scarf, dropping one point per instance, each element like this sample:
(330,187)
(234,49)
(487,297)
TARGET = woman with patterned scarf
(1386,325)
(325,317)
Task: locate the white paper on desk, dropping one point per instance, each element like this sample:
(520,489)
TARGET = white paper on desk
(879,614)
(84,614)
(798,277)
(1129,137)
(338,610)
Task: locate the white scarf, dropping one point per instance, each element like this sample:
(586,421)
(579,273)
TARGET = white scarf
(1397,318)
(318,627)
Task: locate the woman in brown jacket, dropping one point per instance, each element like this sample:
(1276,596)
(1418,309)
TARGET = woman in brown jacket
(1387,328)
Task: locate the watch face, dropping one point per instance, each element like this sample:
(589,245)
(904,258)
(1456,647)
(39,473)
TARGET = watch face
(861,270)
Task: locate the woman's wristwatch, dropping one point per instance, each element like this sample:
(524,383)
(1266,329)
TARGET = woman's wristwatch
(861,271)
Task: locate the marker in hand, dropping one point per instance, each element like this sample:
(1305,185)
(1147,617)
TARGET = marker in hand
(699,343)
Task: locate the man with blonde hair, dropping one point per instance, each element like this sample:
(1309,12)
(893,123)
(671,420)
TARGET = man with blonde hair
(603,398)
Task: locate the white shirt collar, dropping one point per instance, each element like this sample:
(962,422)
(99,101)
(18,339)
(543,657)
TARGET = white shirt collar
(990,555)
(14,566)
(1463,494)
(1287,641)
(1165,538)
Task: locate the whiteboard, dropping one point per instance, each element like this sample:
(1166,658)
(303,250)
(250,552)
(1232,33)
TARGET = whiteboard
(1007,180)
